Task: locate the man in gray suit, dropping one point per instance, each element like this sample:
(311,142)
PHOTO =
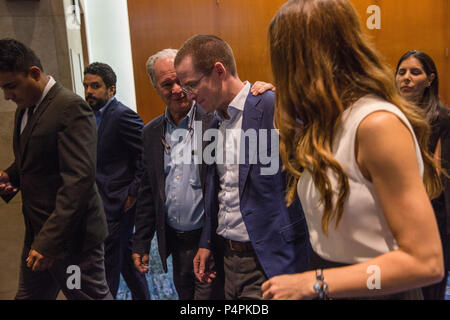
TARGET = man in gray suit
(170,198)
(55,143)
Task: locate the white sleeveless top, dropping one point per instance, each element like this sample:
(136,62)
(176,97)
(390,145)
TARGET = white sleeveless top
(363,232)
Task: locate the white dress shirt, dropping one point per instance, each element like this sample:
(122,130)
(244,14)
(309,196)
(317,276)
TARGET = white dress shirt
(230,223)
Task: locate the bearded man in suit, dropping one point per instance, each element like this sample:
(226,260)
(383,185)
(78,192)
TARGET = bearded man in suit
(119,150)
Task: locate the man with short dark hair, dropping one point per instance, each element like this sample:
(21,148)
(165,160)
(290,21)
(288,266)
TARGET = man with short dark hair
(247,224)
(118,174)
(55,144)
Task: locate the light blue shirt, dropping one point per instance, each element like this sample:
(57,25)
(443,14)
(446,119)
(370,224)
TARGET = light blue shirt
(184,197)
(99,113)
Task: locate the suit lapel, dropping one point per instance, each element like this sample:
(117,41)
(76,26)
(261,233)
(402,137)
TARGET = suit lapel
(251,119)
(214,124)
(158,152)
(205,118)
(104,122)
(16,137)
(26,134)
(211,169)
(105,116)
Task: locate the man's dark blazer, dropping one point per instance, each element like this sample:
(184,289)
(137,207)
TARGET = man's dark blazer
(54,167)
(119,154)
(278,234)
(150,212)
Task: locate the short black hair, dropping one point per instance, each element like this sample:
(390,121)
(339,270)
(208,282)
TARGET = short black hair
(104,71)
(17,57)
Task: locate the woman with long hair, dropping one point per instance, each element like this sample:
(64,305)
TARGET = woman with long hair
(418,81)
(356,153)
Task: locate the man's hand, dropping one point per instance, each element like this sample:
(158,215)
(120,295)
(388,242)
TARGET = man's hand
(141,261)
(4,178)
(290,287)
(129,203)
(201,266)
(38,262)
(5,186)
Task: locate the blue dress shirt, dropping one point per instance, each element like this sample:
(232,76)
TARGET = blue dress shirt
(99,113)
(184,197)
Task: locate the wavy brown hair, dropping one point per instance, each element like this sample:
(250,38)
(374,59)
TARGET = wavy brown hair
(322,63)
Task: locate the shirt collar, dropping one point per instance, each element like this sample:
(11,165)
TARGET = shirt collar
(168,117)
(51,82)
(237,104)
(102,109)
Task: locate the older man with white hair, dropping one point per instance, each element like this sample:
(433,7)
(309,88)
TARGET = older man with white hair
(170,199)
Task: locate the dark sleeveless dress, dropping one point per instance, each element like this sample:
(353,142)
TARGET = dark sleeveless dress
(440,129)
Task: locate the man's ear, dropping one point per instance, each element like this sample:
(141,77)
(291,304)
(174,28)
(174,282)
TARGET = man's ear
(35,73)
(112,91)
(220,69)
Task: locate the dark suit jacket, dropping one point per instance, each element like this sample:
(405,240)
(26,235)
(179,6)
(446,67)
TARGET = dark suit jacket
(440,130)
(278,234)
(54,168)
(150,211)
(119,154)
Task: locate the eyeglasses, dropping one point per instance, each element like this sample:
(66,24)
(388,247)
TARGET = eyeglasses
(190,88)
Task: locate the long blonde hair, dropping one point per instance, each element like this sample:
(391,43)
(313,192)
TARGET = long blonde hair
(322,63)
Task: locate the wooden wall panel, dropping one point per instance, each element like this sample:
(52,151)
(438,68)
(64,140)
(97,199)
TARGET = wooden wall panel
(244,25)
(412,24)
(158,24)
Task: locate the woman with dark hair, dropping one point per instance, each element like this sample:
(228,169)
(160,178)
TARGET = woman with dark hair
(356,155)
(417,80)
